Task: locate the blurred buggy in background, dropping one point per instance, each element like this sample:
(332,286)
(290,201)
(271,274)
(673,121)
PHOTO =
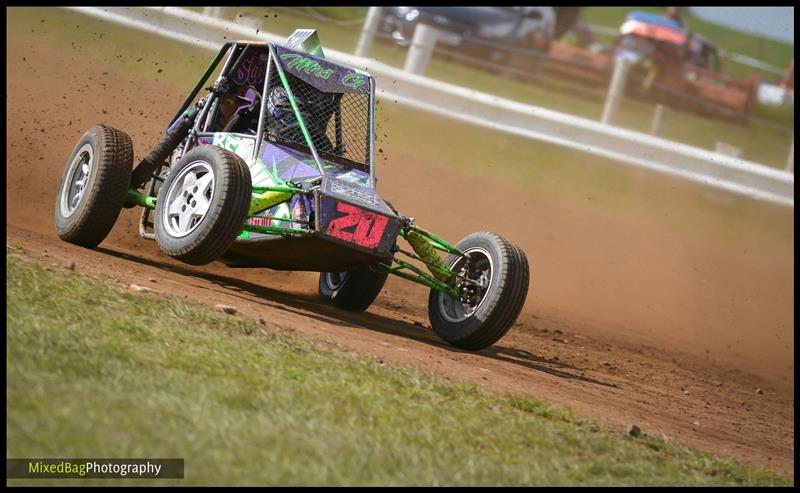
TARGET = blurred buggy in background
(670,64)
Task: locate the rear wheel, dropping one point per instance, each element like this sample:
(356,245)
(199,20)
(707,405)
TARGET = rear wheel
(490,302)
(353,290)
(94,186)
(202,205)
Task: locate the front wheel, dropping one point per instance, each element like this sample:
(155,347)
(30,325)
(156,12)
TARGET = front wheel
(493,284)
(202,205)
(94,186)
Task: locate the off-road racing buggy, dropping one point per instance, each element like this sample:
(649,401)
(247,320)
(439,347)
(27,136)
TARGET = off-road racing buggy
(275,167)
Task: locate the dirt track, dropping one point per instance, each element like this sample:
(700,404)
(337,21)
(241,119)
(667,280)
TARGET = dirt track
(664,362)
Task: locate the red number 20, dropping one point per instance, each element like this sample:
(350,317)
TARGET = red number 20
(369,226)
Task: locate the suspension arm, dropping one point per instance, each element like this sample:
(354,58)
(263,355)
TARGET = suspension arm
(421,277)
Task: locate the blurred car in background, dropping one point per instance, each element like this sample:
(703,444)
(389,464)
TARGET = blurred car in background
(532,27)
(502,36)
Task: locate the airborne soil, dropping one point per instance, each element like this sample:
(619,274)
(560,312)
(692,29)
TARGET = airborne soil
(666,364)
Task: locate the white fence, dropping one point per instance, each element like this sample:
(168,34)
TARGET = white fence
(468,105)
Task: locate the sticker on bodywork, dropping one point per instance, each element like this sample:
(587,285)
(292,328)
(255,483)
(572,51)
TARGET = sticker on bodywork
(323,74)
(352,193)
(241,146)
(357,225)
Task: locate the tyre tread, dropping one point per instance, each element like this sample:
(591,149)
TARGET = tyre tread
(503,308)
(227,217)
(113,162)
(359,291)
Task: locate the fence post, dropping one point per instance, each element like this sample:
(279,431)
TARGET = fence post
(421,49)
(371,24)
(658,120)
(615,90)
(790,159)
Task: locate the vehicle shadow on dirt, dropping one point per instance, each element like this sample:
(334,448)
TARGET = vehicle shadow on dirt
(310,306)
(535,362)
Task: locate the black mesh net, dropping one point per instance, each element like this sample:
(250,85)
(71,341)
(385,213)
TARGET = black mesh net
(338,123)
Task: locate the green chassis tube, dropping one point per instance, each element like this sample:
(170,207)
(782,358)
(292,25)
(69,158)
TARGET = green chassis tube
(138,198)
(423,242)
(270,197)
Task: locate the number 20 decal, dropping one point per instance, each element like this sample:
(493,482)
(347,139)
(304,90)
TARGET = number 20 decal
(369,227)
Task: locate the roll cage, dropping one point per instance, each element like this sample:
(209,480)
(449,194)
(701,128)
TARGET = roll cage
(300,74)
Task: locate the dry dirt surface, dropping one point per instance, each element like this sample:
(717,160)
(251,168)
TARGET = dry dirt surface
(669,373)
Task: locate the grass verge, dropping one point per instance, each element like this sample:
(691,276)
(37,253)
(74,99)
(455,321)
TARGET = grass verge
(94,371)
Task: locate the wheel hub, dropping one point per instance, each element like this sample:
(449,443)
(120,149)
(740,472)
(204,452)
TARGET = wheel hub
(335,280)
(77,181)
(476,274)
(189,199)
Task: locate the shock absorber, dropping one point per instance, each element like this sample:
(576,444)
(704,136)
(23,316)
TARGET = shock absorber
(432,260)
(175,135)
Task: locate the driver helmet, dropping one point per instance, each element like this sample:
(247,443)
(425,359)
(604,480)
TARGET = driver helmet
(315,110)
(280,109)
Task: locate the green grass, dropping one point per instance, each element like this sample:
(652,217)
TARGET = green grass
(95,371)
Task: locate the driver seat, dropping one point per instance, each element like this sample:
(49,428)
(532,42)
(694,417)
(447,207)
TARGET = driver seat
(245,120)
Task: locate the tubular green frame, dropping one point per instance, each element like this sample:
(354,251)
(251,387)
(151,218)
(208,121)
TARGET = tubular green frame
(141,199)
(421,277)
(275,230)
(149,202)
(277,188)
(296,109)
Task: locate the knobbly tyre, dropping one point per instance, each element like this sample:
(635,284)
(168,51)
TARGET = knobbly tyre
(275,167)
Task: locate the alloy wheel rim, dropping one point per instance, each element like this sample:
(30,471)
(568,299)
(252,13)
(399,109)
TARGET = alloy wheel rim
(78,174)
(188,199)
(472,297)
(335,280)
